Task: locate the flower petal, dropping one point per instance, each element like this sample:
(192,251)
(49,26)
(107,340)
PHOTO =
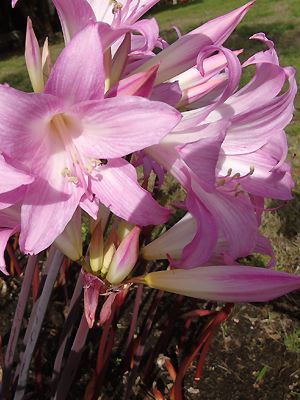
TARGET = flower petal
(23,117)
(172,242)
(236,284)
(12,178)
(188,46)
(114,127)
(202,155)
(49,203)
(140,84)
(199,250)
(117,178)
(78,73)
(234,216)
(74,15)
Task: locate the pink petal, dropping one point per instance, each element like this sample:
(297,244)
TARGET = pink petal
(12,178)
(92,287)
(137,8)
(149,31)
(251,130)
(114,127)
(78,73)
(236,283)
(168,92)
(199,250)
(234,217)
(45,214)
(13,197)
(23,118)
(125,257)
(188,46)
(105,312)
(116,186)
(172,242)
(74,15)
(266,180)
(49,203)
(202,156)
(33,59)
(140,84)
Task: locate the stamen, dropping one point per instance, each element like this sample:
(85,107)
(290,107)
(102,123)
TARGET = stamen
(116,6)
(67,127)
(73,179)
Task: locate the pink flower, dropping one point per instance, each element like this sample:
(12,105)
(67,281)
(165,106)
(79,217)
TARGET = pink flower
(230,152)
(60,137)
(226,283)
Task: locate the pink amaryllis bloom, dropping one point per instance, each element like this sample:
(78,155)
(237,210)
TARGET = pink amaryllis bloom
(229,154)
(61,135)
(182,236)
(226,283)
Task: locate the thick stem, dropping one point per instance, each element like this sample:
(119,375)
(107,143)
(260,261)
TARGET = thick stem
(67,329)
(17,322)
(38,317)
(138,299)
(72,363)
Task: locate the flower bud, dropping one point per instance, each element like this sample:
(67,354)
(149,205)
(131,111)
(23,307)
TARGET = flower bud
(122,229)
(33,59)
(96,249)
(70,241)
(173,241)
(46,60)
(109,252)
(125,257)
(93,287)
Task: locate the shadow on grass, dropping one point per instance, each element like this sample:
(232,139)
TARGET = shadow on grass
(289,217)
(169,6)
(18,80)
(285,35)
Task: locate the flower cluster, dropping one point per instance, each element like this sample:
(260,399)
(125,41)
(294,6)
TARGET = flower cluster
(119,97)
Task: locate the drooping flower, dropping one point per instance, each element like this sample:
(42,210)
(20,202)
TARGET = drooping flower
(228,152)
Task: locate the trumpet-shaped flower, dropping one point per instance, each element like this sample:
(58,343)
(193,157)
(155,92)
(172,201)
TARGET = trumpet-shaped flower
(61,135)
(231,147)
(230,283)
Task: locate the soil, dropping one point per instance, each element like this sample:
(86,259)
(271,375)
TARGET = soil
(254,355)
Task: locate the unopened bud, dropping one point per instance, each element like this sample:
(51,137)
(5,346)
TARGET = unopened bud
(70,241)
(109,252)
(33,59)
(125,257)
(96,249)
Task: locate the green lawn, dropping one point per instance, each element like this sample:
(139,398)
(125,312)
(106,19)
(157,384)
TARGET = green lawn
(280,21)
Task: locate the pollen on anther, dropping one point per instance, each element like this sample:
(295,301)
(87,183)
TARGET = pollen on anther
(73,179)
(66,172)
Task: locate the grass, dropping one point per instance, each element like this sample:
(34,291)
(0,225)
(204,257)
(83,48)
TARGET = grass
(280,21)
(292,341)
